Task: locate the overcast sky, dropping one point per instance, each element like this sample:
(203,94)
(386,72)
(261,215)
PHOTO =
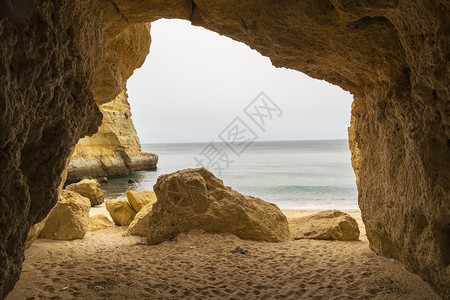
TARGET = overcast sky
(195,82)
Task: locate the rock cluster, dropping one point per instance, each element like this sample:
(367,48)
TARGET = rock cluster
(114,150)
(88,188)
(325,225)
(196,199)
(69,219)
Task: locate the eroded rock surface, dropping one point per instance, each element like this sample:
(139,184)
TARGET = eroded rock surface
(57,56)
(140,225)
(69,219)
(114,150)
(139,199)
(325,225)
(196,199)
(120,211)
(88,188)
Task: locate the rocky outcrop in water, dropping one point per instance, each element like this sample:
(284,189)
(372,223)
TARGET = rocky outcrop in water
(58,56)
(114,150)
(196,199)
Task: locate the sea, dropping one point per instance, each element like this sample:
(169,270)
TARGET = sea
(291,174)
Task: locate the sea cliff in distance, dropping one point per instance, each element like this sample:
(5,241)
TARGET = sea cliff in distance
(115,150)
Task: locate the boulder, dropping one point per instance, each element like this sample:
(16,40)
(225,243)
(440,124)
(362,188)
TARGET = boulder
(121,211)
(115,149)
(325,225)
(34,232)
(138,200)
(140,225)
(69,219)
(98,222)
(196,199)
(88,188)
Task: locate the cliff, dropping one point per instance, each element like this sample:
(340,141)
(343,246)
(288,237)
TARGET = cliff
(114,150)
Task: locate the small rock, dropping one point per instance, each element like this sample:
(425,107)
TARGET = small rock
(69,219)
(121,211)
(88,188)
(240,250)
(196,199)
(325,225)
(103,180)
(132,180)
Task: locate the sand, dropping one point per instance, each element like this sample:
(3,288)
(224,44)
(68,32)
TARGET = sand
(107,264)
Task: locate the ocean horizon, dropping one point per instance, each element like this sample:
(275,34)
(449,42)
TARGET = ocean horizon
(308,174)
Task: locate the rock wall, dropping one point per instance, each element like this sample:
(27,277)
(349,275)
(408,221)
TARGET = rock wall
(114,150)
(58,56)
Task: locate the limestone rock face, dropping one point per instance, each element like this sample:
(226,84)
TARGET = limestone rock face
(60,56)
(140,225)
(88,188)
(196,199)
(99,222)
(115,149)
(325,225)
(121,211)
(140,199)
(34,232)
(69,219)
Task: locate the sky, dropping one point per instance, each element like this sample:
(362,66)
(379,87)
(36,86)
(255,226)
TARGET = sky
(195,83)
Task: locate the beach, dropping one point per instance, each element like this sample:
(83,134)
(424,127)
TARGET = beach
(108,264)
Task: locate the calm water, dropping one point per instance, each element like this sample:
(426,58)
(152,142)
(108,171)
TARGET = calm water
(291,174)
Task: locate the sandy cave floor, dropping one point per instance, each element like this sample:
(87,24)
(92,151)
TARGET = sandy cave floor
(108,264)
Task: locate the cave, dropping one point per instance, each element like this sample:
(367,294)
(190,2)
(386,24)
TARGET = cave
(61,59)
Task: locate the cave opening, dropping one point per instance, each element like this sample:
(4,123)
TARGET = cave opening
(189,92)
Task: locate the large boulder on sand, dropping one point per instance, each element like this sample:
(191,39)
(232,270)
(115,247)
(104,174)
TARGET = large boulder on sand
(99,222)
(121,211)
(140,199)
(195,198)
(140,224)
(69,219)
(325,225)
(88,188)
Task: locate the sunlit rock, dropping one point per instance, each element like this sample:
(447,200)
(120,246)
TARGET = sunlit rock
(120,211)
(140,225)
(99,222)
(325,225)
(69,219)
(139,199)
(196,199)
(88,188)
(114,150)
